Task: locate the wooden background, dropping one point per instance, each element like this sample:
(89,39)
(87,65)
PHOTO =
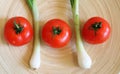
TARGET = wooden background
(106,56)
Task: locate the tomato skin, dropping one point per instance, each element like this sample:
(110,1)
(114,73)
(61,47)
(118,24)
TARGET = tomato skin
(23,37)
(56,40)
(99,35)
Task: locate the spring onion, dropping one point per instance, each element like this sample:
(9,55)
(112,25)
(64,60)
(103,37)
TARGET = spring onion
(84,59)
(35,58)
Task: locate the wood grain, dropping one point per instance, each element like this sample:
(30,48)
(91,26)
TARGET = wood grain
(106,56)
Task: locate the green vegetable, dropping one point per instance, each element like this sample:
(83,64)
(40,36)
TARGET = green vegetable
(83,58)
(35,58)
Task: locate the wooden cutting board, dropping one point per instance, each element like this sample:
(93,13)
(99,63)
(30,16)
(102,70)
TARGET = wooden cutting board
(106,56)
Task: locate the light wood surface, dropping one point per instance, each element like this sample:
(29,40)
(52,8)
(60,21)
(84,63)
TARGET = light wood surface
(106,56)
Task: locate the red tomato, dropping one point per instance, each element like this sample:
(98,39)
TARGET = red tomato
(96,30)
(18,31)
(56,33)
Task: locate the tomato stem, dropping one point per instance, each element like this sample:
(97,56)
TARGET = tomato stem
(18,28)
(95,26)
(56,30)
(83,58)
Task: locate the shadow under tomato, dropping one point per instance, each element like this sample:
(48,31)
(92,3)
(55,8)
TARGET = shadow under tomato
(2,24)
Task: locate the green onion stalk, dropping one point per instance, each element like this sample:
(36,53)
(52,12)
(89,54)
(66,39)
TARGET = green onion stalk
(35,58)
(84,59)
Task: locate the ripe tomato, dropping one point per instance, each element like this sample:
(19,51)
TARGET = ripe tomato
(18,31)
(56,33)
(96,30)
